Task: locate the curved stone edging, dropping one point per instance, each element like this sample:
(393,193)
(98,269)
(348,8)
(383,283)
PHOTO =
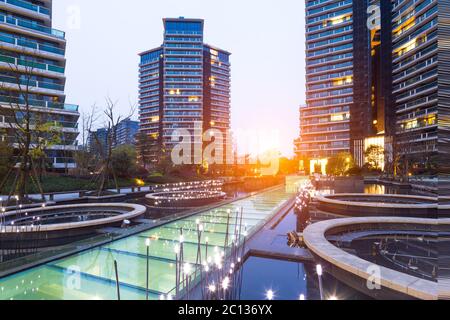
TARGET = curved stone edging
(314,237)
(376,207)
(29,206)
(170,195)
(135,211)
(431,202)
(176,197)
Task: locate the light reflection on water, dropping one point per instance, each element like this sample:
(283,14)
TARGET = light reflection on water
(288,280)
(375,189)
(372,188)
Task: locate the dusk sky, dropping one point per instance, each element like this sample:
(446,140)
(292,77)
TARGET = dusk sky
(266,38)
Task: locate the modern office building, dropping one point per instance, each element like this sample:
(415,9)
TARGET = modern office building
(98,141)
(32,66)
(184,84)
(325,119)
(444,94)
(371,79)
(416,87)
(126,132)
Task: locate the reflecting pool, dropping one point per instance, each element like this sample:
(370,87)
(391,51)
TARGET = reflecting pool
(288,280)
(91,274)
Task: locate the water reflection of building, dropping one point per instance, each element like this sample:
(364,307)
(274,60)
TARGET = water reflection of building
(375,189)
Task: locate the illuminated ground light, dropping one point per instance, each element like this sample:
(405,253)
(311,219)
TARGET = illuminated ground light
(270,295)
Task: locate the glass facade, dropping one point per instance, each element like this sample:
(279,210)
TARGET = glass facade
(33,56)
(372,71)
(183,84)
(415,74)
(325,119)
(126,132)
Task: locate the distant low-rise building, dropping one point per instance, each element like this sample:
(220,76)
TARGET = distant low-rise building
(126,132)
(98,141)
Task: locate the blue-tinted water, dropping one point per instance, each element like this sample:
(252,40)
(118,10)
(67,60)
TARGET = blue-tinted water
(288,280)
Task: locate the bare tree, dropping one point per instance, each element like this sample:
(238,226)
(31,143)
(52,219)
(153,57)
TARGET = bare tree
(26,127)
(106,169)
(84,156)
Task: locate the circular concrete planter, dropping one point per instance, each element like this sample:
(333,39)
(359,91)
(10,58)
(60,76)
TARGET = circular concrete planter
(184,199)
(31,231)
(356,271)
(365,205)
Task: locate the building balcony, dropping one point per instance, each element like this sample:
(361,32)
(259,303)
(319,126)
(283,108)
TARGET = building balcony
(329,59)
(226,96)
(324,131)
(405,50)
(13,141)
(315,149)
(327,123)
(414,56)
(313,80)
(316,88)
(220,71)
(26,7)
(183,80)
(61,126)
(418,68)
(413,82)
(32,84)
(418,103)
(12,101)
(58,147)
(317,54)
(329,95)
(420,20)
(317,44)
(417,116)
(13,43)
(183,40)
(311,71)
(182,33)
(31,66)
(182,114)
(324,139)
(418,92)
(64,165)
(329,34)
(423,137)
(328,9)
(182,120)
(399,11)
(28,25)
(328,26)
(315,3)
(148,95)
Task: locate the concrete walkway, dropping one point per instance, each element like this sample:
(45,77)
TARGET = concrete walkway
(272,243)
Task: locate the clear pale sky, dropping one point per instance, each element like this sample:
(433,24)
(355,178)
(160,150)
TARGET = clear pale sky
(266,38)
